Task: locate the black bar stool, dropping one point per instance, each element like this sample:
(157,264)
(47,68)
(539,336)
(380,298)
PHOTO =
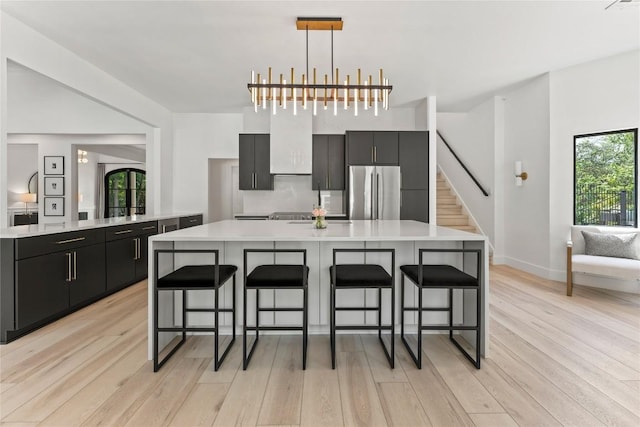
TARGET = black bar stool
(275,276)
(442,277)
(187,278)
(362,276)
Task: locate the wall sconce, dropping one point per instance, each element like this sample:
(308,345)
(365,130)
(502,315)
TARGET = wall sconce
(520,176)
(28,198)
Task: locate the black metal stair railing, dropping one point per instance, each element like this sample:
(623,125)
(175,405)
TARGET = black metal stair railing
(473,178)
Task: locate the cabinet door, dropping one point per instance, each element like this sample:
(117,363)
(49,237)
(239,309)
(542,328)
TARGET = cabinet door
(143,257)
(385,148)
(42,287)
(120,264)
(246,168)
(360,147)
(414,160)
(320,167)
(262,168)
(89,274)
(414,205)
(336,162)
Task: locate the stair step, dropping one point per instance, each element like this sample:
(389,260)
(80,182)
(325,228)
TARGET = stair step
(454,210)
(452,221)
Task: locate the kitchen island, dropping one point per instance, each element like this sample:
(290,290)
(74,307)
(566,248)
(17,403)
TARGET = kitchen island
(232,237)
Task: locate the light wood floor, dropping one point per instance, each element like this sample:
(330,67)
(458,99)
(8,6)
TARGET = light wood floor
(555,361)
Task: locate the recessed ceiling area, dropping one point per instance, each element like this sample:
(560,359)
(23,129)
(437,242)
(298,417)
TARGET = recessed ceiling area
(197,56)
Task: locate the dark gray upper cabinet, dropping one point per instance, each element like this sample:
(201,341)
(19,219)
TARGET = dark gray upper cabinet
(414,205)
(414,160)
(372,147)
(328,162)
(254,170)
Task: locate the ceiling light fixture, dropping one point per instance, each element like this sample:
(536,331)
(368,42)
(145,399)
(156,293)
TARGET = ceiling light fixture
(367,93)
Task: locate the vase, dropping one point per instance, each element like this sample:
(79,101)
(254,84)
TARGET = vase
(320,222)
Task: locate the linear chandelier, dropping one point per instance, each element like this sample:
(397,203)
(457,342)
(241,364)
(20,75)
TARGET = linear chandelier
(311,93)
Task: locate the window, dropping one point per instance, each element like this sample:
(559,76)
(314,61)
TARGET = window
(605,178)
(125,191)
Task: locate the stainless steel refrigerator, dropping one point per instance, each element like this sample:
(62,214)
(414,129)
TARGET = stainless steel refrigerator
(374,192)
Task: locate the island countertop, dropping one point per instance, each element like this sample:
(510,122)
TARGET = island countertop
(338,230)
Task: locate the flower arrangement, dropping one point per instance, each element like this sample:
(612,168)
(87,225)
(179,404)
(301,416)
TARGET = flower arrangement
(319,213)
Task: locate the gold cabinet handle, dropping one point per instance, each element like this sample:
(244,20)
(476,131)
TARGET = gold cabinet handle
(123,232)
(375,154)
(77,239)
(68,255)
(75,265)
(151,227)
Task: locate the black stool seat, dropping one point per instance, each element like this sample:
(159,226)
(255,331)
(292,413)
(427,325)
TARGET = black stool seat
(197,277)
(361,276)
(278,276)
(439,276)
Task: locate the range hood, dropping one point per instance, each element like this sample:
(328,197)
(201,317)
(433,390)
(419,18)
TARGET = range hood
(291,142)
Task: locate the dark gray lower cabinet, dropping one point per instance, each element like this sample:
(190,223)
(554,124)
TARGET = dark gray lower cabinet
(52,283)
(43,289)
(121,267)
(415,205)
(88,274)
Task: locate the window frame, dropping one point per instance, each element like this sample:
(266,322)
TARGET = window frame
(633,131)
(128,189)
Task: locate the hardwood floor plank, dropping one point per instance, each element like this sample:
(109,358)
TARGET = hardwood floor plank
(378,362)
(471,394)
(168,396)
(401,406)
(594,400)
(230,367)
(201,406)
(86,401)
(577,334)
(571,360)
(558,403)
(438,401)
(348,342)
(493,420)
(359,397)
(321,404)
(282,399)
(633,384)
(41,406)
(244,398)
(51,374)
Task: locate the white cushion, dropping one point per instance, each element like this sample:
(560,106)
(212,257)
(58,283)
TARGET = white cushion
(622,268)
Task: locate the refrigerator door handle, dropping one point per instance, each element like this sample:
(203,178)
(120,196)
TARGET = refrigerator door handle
(372,193)
(379,196)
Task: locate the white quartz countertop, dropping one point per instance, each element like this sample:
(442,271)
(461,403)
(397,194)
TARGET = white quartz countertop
(338,230)
(21,231)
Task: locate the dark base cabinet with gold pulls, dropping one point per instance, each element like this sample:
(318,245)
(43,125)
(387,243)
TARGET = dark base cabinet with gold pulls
(45,277)
(126,253)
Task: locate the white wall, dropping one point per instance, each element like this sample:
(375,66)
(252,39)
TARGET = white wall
(526,208)
(593,97)
(198,138)
(32,50)
(472,136)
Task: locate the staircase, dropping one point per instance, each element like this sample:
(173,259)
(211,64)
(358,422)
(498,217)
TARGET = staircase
(449,211)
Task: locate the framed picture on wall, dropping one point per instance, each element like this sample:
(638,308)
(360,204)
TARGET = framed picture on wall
(54,186)
(54,206)
(54,165)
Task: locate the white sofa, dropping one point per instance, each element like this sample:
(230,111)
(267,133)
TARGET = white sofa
(606,266)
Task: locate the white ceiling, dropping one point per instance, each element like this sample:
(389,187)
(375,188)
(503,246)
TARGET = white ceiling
(197,56)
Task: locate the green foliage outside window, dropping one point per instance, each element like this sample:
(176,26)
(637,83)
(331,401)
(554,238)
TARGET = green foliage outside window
(125,192)
(605,178)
